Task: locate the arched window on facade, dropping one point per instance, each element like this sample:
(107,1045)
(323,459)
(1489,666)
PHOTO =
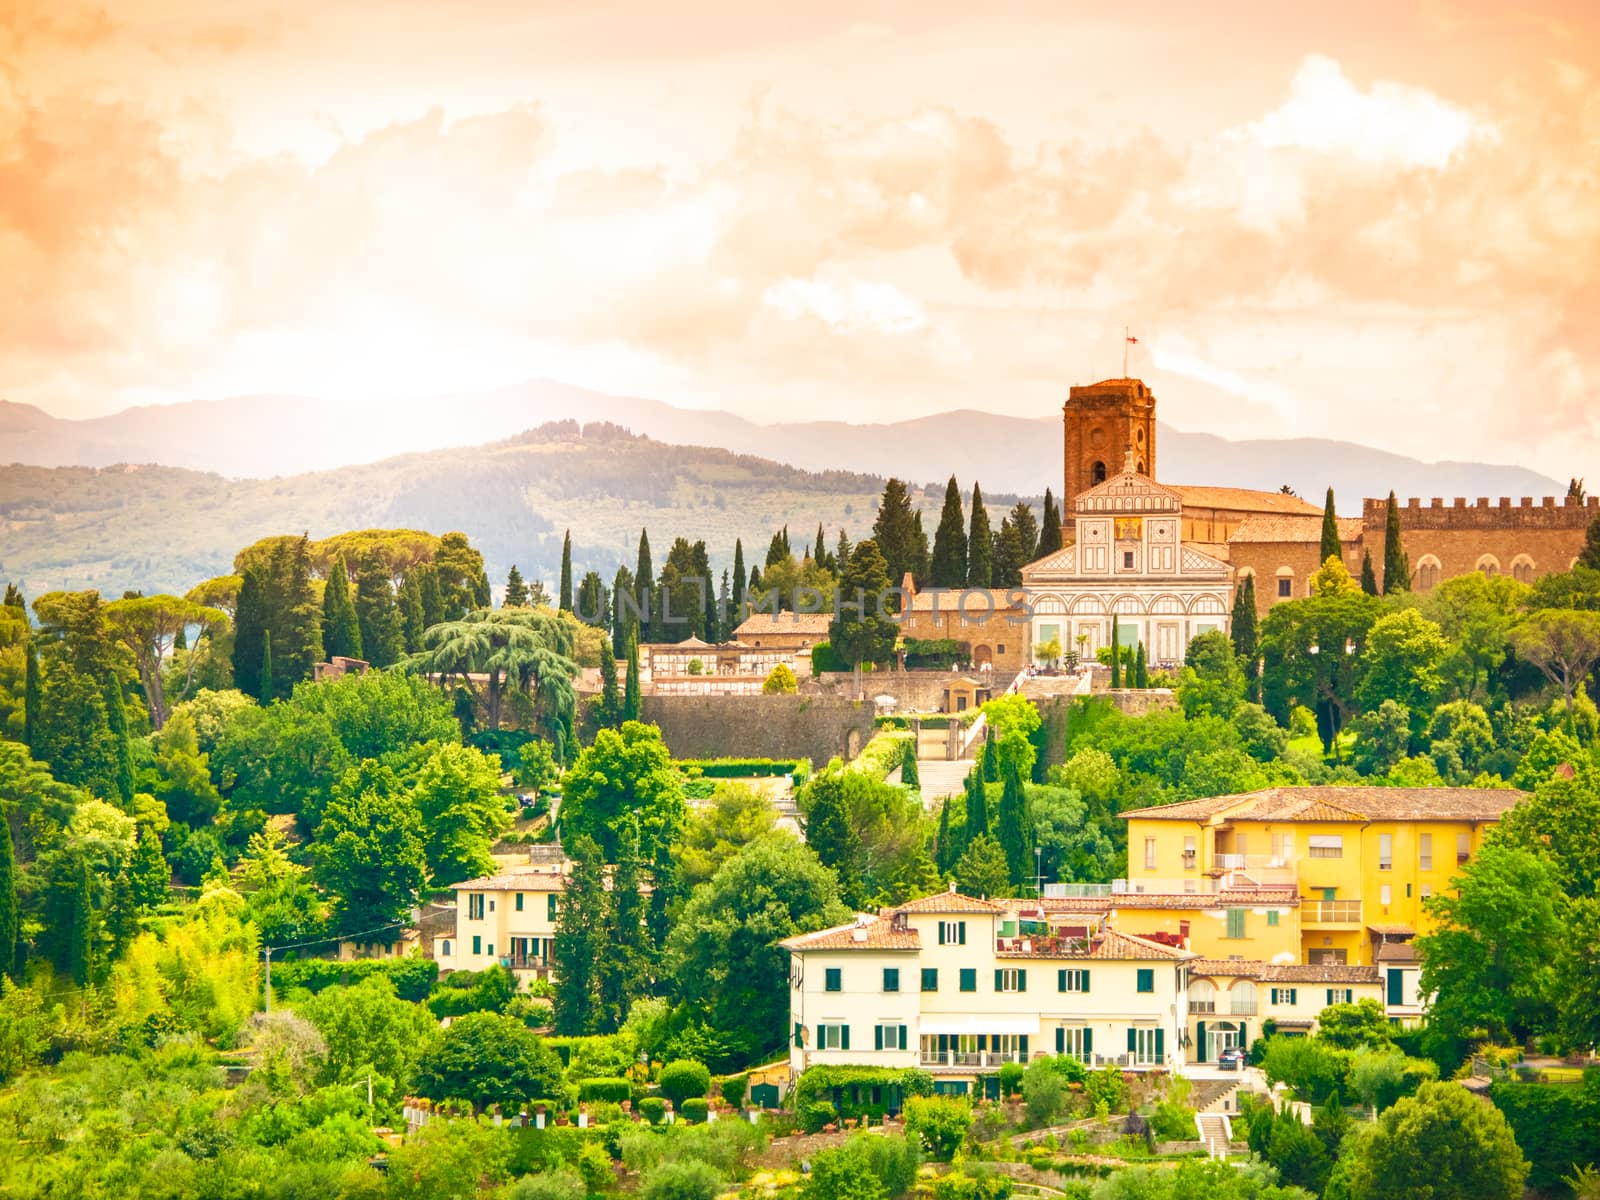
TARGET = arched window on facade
(1097,474)
(1489,565)
(1427,573)
(1285,589)
(1202,996)
(1242,997)
(1522,569)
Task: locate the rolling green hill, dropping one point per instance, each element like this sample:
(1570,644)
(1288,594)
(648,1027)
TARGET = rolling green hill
(163,528)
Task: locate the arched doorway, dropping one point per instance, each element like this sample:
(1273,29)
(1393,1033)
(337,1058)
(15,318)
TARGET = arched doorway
(982,657)
(1097,473)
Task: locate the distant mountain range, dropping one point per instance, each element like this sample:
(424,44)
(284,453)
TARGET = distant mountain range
(264,436)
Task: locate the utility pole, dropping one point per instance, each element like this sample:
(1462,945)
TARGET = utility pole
(268,950)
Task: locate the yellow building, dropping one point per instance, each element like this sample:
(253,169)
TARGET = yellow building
(1230,999)
(1263,920)
(1361,859)
(509,919)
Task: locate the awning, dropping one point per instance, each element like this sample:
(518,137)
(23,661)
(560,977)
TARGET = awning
(976,1025)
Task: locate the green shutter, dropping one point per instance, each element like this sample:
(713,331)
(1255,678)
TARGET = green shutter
(477,943)
(930,979)
(1294,996)
(844,1037)
(902,1037)
(799,1038)
(891,979)
(1061,980)
(1161,1045)
(999,976)
(550,906)
(877,1037)
(519,901)
(961,931)
(941,933)
(1330,995)
(1022,1047)
(1085,975)
(1088,1041)
(1022,980)
(1133,1039)
(1200,1040)
(1272,916)
(1396,987)
(1061,1040)
(1147,979)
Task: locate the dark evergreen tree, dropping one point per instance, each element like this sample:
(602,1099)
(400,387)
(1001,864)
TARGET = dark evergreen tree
(941,841)
(950,542)
(15,599)
(341,632)
(841,552)
(121,744)
(295,616)
(592,605)
(32,697)
(1396,566)
(624,611)
(265,672)
(923,571)
(819,552)
(991,757)
(625,970)
(409,601)
(610,711)
(1050,521)
(895,531)
(830,834)
(739,581)
(1141,671)
(582,941)
(725,610)
(1027,527)
(909,775)
(864,632)
(10,913)
(1014,829)
(150,874)
(1369,577)
(778,548)
(1590,555)
(980,544)
(80,944)
(73,733)
(1008,556)
(755,581)
(1331,546)
(249,630)
(377,615)
(1246,642)
(432,598)
(644,578)
(516,590)
(1116,655)
(565,603)
(630,693)
(977,806)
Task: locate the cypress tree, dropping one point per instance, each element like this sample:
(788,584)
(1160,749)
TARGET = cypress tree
(755,580)
(1049,527)
(249,630)
(565,602)
(1396,566)
(830,834)
(10,914)
(581,942)
(980,544)
(842,550)
(819,552)
(1590,557)
(591,606)
(516,590)
(623,617)
(630,694)
(432,598)
(977,806)
(1013,823)
(1242,629)
(1141,673)
(1116,654)
(409,602)
(941,843)
(1022,520)
(298,620)
(610,701)
(896,532)
(644,575)
(1369,577)
(991,757)
(341,632)
(82,933)
(923,571)
(909,776)
(725,618)
(950,542)
(117,722)
(1009,557)
(778,548)
(623,971)
(32,696)
(15,599)
(739,581)
(264,677)
(377,615)
(1331,547)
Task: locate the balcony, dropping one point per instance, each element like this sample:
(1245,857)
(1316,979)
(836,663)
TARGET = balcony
(1202,1006)
(1240,1008)
(525,962)
(967,1059)
(1224,1007)
(1330,912)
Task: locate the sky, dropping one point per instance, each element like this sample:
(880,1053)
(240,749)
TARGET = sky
(1371,220)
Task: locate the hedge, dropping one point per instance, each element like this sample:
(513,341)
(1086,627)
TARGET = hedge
(653,1109)
(684,1080)
(694,1110)
(413,978)
(1557,1127)
(823,659)
(743,768)
(734,1088)
(813,1089)
(602,1088)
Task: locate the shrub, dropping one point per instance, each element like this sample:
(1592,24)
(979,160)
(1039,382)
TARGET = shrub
(815,1116)
(894,1160)
(688,1180)
(734,1088)
(413,978)
(683,1080)
(1314,1070)
(653,1109)
(562,1184)
(603,1088)
(825,658)
(1557,1127)
(1044,1090)
(1173,1119)
(1107,1087)
(1010,1078)
(940,1121)
(694,1110)
(843,1173)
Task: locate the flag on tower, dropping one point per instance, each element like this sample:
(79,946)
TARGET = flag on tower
(1131,338)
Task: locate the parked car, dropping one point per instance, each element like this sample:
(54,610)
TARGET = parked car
(1231,1059)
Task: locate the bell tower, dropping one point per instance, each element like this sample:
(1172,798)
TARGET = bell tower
(1101,424)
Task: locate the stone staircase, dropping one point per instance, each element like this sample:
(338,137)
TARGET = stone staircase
(942,777)
(1216,1132)
(1214,1095)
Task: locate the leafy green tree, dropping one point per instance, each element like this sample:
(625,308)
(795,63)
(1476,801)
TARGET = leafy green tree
(493,652)
(32,697)
(684,1079)
(1347,1026)
(1383,738)
(457,794)
(1565,646)
(1589,556)
(72,731)
(1015,825)
(843,1173)
(486,1058)
(863,630)
(25,1026)
(369,851)
(1311,655)
(1489,962)
(781,682)
(1441,1144)
(1475,614)
(1400,662)
(982,869)
(1211,680)
(829,831)
(150,627)
(735,816)
(1560,823)
(1396,564)
(516,590)
(117,727)
(724,951)
(565,599)
(625,777)
(365,1026)
(341,628)
(950,542)
(940,1122)
(681,1179)
(10,911)
(980,544)
(894,531)
(180,778)
(1072,844)
(583,940)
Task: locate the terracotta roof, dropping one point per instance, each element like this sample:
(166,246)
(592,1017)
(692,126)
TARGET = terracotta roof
(1333,803)
(524,880)
(947,902)
(1398,952)
(1285,972)
(1127,485)
(809,624)
(1292,529)
(1243,500)
(949,598)
(1107,945)
(864,933)
(1398,932)
(1283,896)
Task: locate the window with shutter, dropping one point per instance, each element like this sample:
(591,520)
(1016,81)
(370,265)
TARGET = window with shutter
(477,943)
(844,1037)
(969,979)
(519,901)
(999,980)
(1146,979)
(832,980)
(891,979)
(1236,922)
(1272,916)
(550,906)
(902,1037)
(961,928)
(930,979)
